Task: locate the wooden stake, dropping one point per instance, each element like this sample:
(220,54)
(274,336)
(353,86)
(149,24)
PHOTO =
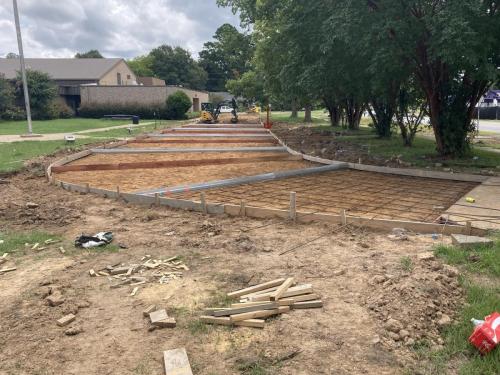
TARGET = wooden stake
(343,217)
(87,188)
(243,209)
(118,192)
(293,206)
(468,228)
(203,203)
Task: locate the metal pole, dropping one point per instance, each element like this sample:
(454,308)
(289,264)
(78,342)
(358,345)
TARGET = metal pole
(478,117)
(23,68)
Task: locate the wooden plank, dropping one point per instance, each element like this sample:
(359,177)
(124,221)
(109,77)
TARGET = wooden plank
(5,270)
(259,314)
(257,288)
(176,362)
(226,321)
(212,310)
(243,304)
(291,301)
(240,310)
(291,292)
(278,293)
(308,305)
(170,164)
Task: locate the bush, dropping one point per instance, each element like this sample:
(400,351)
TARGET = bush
(100,110)
(14,114)
(177,106)
(59,109)
(42,92)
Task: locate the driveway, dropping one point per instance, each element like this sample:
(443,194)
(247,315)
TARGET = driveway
(492,126)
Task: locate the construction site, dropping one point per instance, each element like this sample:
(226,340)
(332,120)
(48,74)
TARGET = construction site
(228,252)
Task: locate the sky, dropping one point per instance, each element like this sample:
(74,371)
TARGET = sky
(117,28)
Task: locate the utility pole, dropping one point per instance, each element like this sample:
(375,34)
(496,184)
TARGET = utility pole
(23,68)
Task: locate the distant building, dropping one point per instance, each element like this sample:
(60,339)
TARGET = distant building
(101,81)
(491,99)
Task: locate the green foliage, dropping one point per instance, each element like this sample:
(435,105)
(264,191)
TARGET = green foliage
(142,66)
(6,96)
(480,259)
(92,54)
(177,106)
(177,67)
(249,86)
(227,57)
(98,111)
(59,109)
(407,264)
(14,242)
(42,92)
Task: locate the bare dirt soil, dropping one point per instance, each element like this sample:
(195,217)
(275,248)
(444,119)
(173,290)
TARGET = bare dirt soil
(380,299)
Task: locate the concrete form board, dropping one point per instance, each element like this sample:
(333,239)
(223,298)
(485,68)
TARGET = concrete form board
(205,135)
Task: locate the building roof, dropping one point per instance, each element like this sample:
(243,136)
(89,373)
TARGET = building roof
(61,69)
(492,94)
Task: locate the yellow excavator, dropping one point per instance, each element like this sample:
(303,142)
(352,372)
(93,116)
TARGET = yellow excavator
(210,113)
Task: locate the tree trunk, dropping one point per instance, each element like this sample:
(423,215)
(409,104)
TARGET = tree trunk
(382,115)
(334,111)
(295,111)
(308,114)
(354,111)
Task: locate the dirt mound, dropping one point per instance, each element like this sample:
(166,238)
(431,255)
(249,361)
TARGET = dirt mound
(413,303)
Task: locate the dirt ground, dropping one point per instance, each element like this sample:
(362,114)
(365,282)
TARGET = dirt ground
(380,299)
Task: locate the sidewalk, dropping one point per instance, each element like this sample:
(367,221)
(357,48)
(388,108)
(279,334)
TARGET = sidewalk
(60,136)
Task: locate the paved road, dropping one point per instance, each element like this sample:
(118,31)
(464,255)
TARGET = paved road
(489,126)
(60,136)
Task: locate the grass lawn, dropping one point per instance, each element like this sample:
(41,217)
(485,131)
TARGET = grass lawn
(13,155)
(58,126)
(483,298)
(422,154)
(123,132)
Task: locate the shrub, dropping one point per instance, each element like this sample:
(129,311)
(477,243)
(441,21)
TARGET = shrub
(100,110)
(59,109)
(177,106)
(42,92)
(14,114)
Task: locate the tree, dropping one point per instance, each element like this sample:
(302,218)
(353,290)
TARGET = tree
(227,57)
(453,48)
(177,67)
(92,54)
(42,92)
(249,86)
(141,66)
(12,55)
(177,105)
(411,108)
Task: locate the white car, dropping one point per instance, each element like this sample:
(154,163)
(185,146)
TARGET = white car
(225,109)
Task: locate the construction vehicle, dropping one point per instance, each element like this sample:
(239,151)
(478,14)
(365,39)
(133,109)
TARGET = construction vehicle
(210,113)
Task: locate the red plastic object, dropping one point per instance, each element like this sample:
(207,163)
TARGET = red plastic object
(486,336)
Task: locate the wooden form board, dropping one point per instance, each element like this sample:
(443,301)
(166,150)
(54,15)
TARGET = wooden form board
(226,321)
(170,164)
(214,131)
(204,141)
(176,362)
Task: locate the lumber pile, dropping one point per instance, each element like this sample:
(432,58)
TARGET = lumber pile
(260,302)
(147,271)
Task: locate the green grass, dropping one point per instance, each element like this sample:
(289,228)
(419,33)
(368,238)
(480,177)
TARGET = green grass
(406,264)
(13,155)
(124,133)
(14,242)
(483,298)
(480,259)
(58,126)
(481,301)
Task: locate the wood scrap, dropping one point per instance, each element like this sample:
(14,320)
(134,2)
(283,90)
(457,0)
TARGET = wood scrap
(226,321)
(291,292)
(259,314)
(5,270)
(276,295)
(241,310)
(256,288)
(176,362)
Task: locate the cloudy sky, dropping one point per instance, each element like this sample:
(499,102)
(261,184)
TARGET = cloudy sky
(117,28)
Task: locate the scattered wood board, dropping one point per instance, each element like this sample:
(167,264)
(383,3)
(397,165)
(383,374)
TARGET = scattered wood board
(276,295)
(176,362)
(258,314)
(241,310)
(256,288)
(291,292)
(226,321)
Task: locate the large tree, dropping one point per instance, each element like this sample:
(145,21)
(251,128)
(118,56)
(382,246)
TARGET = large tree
(142,66)
(92,54)
(227,57)
(6,95)
(453,48)
(177,67)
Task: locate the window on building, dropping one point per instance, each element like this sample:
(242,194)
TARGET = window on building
(119,79)
(128,76)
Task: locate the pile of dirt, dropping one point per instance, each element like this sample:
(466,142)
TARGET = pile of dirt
(415,302)
(327,145)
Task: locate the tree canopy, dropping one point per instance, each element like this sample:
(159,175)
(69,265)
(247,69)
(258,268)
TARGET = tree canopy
(226,57)
(92,54)
(364,55)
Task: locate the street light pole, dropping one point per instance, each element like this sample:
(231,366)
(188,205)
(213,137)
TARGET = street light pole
(23,68)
